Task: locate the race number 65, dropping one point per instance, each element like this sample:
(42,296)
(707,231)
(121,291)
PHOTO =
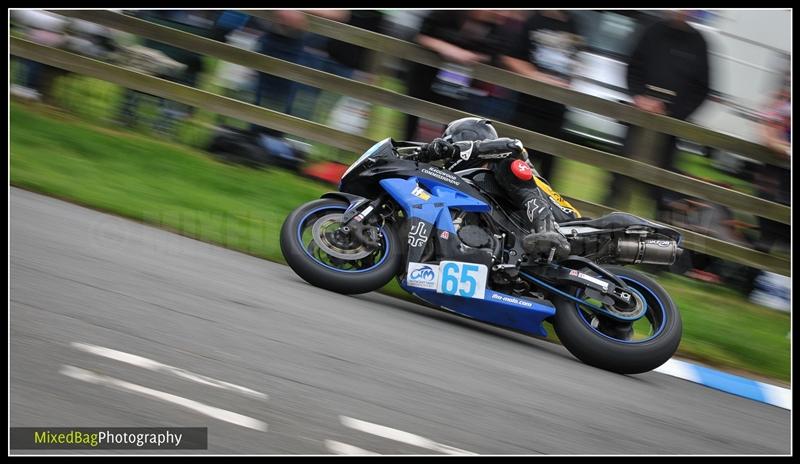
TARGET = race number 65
(462,279)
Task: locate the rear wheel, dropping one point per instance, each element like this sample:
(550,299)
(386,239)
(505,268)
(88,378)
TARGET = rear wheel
(324,255)
(626,348)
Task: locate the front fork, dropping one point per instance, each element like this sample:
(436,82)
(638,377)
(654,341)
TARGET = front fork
(358,220)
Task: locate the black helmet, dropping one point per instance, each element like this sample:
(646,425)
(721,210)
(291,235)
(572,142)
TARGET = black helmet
(469,129)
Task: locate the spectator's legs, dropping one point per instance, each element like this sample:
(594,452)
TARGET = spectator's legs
(547,118)
(771,234)
(545,162)
(171,112)
(355,123)
(302,98)
(493,107)
(774,184)
(419,80)
(639,146)
(666,160)
(340,70)
(42,78)
(130,107)
(768,234)
(618,195)
(411,127)
(275,92)
(32,74)
(415,129)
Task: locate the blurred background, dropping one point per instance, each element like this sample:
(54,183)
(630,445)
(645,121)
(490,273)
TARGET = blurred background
(231,181)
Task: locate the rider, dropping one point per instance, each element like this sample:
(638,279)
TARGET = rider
(473,142)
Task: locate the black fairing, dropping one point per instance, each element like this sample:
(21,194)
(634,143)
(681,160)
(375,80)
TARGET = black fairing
(385,163)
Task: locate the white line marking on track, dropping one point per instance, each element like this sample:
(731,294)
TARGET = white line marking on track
(338,447)
(152,365)
(399,435)
(210,411)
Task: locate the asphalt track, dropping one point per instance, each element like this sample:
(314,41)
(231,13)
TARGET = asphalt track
(281,367)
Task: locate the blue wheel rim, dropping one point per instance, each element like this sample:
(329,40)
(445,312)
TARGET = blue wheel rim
(654,303)
(300,229)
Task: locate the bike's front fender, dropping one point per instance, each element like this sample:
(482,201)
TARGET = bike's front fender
(348,197)
(354,202)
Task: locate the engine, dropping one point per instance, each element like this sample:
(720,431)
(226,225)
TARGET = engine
(474,236)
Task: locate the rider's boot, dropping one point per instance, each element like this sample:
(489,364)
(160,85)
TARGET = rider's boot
(544,238)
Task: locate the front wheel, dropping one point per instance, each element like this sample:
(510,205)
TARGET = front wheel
(626,348)
(326,257)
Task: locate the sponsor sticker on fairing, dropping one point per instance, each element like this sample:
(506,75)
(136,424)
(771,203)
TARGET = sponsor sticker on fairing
(511,299)
(417,235)
(442,175)
(421,194)
(422,275)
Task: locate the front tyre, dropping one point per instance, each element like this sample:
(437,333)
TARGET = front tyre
(623,348)
(323,256)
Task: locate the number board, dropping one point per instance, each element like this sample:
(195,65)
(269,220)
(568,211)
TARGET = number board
(462,279)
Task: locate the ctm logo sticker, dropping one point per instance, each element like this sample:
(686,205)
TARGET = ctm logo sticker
(423,275)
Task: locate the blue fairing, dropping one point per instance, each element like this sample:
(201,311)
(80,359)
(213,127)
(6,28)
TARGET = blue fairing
(435,210)
(522,314)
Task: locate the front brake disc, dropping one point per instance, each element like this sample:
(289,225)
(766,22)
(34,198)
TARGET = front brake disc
(322,231)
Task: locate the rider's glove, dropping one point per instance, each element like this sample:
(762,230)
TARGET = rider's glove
(438,149)
(500,148)
(518,149)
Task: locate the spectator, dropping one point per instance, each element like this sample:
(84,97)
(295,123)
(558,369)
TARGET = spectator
(461,38)
(286,39)
(545,50)
(773,182)
(171,112)
(89,39)
(667,74)
(348,57)
(283,39)
(491,100)
(43,28)
(345,60)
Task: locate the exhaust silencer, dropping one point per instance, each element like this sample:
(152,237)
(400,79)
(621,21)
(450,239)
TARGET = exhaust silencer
(647,251)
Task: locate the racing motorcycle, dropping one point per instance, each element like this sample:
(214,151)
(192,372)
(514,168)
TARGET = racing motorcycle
(453,240)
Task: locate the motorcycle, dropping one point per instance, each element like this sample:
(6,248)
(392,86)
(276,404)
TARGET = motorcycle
(453,240)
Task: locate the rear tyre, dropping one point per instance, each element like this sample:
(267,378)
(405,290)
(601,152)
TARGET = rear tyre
(613,346)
